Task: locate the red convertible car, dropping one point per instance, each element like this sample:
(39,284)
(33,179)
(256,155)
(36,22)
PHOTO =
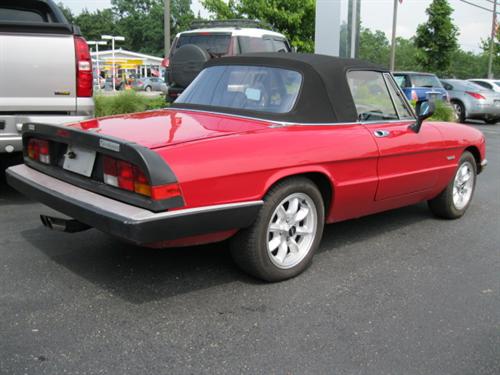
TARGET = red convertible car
(263,148)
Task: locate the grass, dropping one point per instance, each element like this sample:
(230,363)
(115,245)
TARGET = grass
(126,102)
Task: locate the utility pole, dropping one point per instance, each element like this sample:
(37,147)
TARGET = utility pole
(492,40)
(166,23)
(393,43)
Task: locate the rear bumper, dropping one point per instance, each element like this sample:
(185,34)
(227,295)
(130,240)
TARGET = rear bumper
(483,111)
(128,222)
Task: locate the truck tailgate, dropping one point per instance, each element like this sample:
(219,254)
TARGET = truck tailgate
(35,73)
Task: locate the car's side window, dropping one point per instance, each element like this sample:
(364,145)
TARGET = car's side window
(484,84)
(400,102)
(371,96)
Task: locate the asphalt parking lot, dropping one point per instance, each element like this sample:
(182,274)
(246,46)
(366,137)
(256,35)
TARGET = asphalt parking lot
(395,293)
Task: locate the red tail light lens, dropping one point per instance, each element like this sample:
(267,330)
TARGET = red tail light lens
(126,176)
(475,95)
(165,62)
(84,78)
(39,150)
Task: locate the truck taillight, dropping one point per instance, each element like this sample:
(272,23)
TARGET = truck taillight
(84,78)
(127,176)
(38,150)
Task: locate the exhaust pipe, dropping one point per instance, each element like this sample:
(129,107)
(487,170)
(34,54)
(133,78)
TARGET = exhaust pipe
(63,225)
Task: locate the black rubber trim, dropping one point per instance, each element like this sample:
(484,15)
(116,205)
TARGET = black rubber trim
(39,28)
(152,164)
(139,232)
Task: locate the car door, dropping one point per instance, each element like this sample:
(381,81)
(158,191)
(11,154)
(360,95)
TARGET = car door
(408,161)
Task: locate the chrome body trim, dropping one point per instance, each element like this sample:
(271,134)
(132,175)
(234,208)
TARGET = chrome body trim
(278,124)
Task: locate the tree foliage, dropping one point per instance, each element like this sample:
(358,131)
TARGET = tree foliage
(139,21)
(294,18)
(437,38)
(374,46)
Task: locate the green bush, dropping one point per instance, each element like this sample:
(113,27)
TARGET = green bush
(126,102)
(443,111)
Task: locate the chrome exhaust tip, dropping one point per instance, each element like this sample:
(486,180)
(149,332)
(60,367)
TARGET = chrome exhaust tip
(63,225)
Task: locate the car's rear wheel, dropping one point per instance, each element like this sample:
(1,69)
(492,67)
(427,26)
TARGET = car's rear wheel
(282,241)
(459,110)
(456,198)
(491,121)
(148,88)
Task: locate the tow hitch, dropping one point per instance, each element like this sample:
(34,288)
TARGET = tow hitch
(63,225)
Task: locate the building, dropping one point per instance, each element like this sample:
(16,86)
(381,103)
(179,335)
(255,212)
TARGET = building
(127,63)
(340,18)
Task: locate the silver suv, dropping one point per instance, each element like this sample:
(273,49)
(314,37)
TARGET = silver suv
(45,69)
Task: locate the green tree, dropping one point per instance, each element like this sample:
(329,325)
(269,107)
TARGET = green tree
(141,22)
(406,53)
(95,24)
(294,18)
(67,12)
(437,38)
(374,46)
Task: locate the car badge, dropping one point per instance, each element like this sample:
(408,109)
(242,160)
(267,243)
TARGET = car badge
(108,145)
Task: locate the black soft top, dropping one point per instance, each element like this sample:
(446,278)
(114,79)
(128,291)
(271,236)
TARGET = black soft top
(325,96)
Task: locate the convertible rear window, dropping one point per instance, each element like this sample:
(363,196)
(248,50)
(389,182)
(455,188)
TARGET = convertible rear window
(255,88)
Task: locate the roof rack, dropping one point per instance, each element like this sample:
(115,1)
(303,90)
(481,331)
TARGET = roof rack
(236,23)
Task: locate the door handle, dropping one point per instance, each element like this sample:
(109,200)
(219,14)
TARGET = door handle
(381,133)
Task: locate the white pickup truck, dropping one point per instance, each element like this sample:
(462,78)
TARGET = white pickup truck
(45,69)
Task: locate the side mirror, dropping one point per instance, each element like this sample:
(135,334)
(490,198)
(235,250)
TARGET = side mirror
(424,110)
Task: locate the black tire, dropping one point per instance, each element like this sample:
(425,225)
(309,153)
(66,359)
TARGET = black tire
(459,110)
(186,63)
(443,205)
(148,89)
(491,121)
(249,247)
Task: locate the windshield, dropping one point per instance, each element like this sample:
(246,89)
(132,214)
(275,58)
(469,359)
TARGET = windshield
(215,44)
(255,88)
(425,80)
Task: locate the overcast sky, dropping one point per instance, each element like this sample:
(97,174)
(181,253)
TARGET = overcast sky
(472,22)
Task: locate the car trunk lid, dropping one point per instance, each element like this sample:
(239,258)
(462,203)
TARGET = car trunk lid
(169,127)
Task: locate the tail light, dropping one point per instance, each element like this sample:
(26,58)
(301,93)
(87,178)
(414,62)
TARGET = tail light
(127,176)
(84,78)
(475,95)
(38,150)
(414,95)
(165,62)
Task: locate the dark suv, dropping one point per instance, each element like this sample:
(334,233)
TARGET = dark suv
(192,49)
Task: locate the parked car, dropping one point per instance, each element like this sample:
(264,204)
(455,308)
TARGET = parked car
(490,84)
(472,101)
(45,69)
(264,149)
(213,39)
(149,84)
(119,83)
(421,86)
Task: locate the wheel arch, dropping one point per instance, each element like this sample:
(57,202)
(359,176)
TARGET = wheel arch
(319,176)
(477,157)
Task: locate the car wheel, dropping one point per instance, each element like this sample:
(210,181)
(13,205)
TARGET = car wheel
(455,199)
(459,110)
(148,88)
(491,121)
(283,239)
